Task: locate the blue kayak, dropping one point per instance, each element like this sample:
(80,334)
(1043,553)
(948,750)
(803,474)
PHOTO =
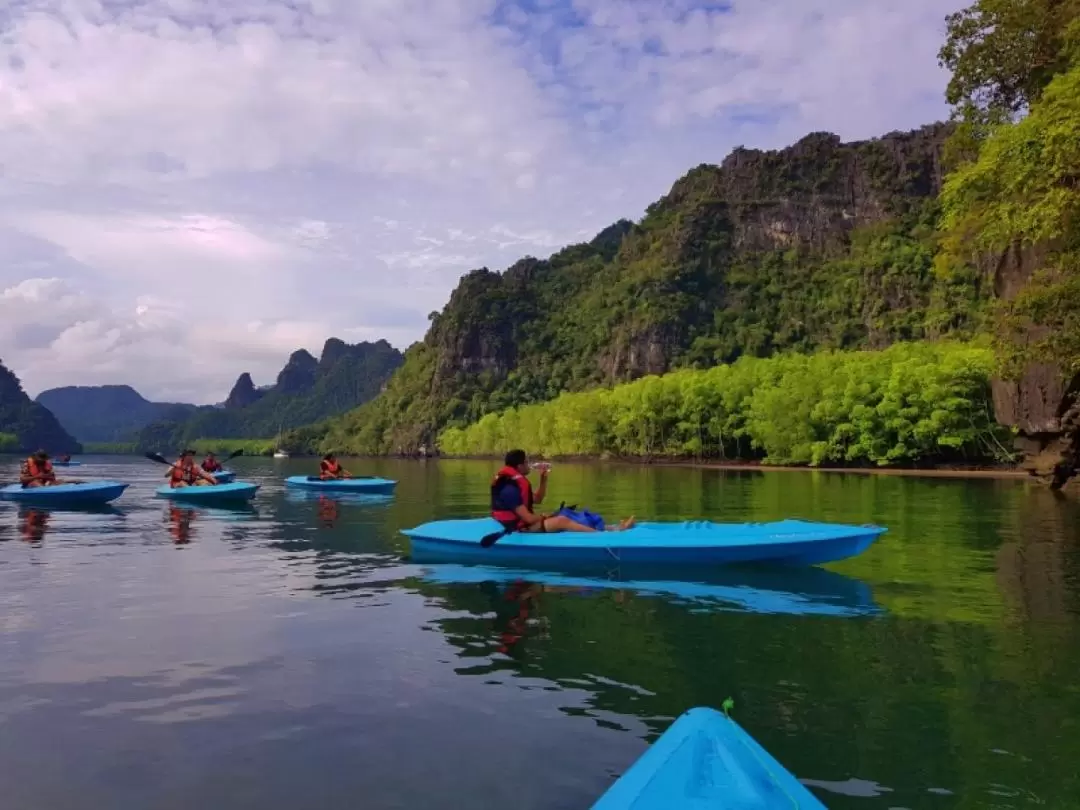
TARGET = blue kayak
(236,491)
(84,492)
(67,463)
(706,761)
(785,542)
(371,486)
(224,476)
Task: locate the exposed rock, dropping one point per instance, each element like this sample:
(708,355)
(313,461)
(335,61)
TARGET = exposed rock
(243,393)
(299,373)
(1042,404)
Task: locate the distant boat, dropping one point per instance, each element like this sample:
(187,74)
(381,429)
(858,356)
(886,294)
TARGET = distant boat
(279,453)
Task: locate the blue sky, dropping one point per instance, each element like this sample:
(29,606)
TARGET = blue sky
(194,188)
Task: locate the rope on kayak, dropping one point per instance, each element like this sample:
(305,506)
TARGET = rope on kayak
(613,554)
(729,704)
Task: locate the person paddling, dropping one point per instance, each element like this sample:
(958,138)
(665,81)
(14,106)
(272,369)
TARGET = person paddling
(513,499)
(186,473)
(37,471)
(330,470)
(211,464)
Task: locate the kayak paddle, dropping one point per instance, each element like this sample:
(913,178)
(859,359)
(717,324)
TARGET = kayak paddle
(160,459)
(488,540)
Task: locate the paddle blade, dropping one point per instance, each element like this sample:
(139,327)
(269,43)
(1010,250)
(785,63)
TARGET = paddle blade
(160,459)
(234,454)
(488,540)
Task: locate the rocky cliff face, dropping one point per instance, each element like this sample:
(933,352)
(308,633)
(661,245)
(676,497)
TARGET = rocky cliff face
(243,393)
(823,244)
(299,373)
(1043,403)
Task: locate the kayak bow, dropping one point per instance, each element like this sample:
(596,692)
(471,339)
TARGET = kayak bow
(706,761)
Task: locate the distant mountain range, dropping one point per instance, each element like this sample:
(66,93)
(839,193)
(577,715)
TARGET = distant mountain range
(108,413)
(306,391)
(26,425)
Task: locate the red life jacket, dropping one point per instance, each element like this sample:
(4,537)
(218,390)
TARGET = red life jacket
(211,466)
(185,475)
(329,468)
(498,511)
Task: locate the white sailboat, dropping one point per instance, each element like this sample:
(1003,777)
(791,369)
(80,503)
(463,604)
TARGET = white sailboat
(279,453)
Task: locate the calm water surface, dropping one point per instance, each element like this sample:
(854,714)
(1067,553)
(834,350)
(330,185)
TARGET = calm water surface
(291,655)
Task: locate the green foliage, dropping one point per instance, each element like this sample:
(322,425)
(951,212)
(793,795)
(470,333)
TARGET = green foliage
(911,403)
(32,424)
(767,253)
(222,447)
(1022,197)
(9,443)
(110,448)
(1003,54)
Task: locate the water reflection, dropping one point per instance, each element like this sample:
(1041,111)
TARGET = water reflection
(798,591)
(33,523)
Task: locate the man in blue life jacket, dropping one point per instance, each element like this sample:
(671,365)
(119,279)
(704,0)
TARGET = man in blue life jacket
(513,499)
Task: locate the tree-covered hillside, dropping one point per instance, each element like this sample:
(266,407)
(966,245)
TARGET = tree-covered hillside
(823,245)
(26,425)
(107,413)
(306,391)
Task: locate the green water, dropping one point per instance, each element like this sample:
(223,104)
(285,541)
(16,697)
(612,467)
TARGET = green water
(293,656)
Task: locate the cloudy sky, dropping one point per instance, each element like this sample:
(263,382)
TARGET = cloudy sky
(194,188)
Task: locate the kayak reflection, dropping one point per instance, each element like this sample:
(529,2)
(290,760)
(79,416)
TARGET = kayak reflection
(342,498)
(181,519)
(35,522)
(796,591)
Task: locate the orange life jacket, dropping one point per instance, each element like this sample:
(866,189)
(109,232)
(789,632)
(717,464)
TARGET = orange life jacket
(499,511)
(42,470)
(329,468)
(211,466)
(181,474)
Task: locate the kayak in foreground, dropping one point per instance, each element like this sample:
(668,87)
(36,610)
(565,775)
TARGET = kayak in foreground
(784,542)
(706,760)
(371,486)
(84,492)
(236,491)
(224,476)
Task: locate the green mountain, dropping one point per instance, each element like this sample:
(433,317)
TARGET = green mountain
(107,413)
(307,390)
(26,425)
(821,245)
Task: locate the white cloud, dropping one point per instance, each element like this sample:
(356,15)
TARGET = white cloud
(176,170)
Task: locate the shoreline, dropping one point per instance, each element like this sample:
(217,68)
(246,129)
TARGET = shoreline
(955,471)
(1002,472)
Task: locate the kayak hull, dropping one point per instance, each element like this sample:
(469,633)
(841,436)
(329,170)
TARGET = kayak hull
(67,463)
(367,486)
(785,542)
(224,476)
(236,491)
(706,760)
(88,493)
